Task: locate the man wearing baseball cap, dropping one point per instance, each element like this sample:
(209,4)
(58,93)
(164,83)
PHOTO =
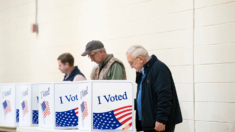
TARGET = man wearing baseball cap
(110,68)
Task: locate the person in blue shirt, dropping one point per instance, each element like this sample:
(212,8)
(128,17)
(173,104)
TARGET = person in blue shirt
(157,106)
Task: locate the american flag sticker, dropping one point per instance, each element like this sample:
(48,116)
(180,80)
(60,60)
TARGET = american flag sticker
(84,110)
(45,108)
(6,106)
(114,119)
(35,117)
(24,107)
(17,115)
(67,118)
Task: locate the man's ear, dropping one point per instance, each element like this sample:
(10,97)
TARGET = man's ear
(141,58)
(66,64)
(101,51)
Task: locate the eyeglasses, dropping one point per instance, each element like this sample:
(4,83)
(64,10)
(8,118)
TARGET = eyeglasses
(131,63)
(91,56)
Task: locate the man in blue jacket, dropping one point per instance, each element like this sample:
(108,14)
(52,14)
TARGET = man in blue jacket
(157,106)
(66,66)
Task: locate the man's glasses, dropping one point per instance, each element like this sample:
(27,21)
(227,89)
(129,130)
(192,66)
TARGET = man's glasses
(91,56)
(132,62)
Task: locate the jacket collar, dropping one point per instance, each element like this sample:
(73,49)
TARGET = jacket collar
(72,73)
(105,61)
(149,64)
(147,67)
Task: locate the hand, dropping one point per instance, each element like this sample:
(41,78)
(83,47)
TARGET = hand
(159,127)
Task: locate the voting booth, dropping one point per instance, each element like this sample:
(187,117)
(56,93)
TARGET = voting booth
(106,105)
(58,105)
(28,103)
(9,107)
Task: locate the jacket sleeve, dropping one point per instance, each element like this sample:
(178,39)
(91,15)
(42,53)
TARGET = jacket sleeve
(163,94)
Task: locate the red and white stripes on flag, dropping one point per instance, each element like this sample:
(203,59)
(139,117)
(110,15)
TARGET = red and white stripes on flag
(47,110)
(26,108)
(85,112)
(124,115)
(7,107)
(76,111)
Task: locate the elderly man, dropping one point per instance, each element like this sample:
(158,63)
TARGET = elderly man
(66,66)
(157,105)
(110,68)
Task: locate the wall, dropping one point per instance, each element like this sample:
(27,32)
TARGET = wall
(214,65)
(195,38)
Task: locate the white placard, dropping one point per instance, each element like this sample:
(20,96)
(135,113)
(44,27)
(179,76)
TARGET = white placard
(8,105)
(58,105)
(112,105)
(85,106)
(109,105)
(25,105)
(28,102)
(35,104)
(66,105)
(46,105)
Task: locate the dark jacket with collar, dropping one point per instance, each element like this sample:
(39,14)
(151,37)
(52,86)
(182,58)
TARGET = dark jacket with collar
(159,98)
(75,72)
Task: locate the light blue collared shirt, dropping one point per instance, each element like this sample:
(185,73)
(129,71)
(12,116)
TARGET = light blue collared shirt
(139,105)
(139,96)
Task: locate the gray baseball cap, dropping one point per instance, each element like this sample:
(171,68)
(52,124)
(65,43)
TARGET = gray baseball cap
(92,45)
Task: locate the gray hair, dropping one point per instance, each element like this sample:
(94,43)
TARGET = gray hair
(97,50)
(137,50)
(93,71)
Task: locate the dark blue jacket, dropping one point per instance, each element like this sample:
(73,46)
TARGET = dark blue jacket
(159,98)
(75,72)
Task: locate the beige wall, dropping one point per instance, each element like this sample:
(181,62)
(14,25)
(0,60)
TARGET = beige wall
(214,65)
(195,38)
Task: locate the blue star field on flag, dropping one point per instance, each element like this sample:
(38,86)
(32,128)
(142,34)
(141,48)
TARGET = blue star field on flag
(114,119)
(66,118)
(35,117)
(105,120)
(17,115)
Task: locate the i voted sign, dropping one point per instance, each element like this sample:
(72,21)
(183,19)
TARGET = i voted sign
(8,106)
(58,105)
(66,105)
(35,104)
(85,113)
(28,103)
(111,105)
(46,105)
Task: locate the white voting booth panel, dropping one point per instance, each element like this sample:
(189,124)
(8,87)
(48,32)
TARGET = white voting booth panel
(106,105)
(28,103)
(9,107)
(58,105)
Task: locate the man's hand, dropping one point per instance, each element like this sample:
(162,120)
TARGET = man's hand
(159,127)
